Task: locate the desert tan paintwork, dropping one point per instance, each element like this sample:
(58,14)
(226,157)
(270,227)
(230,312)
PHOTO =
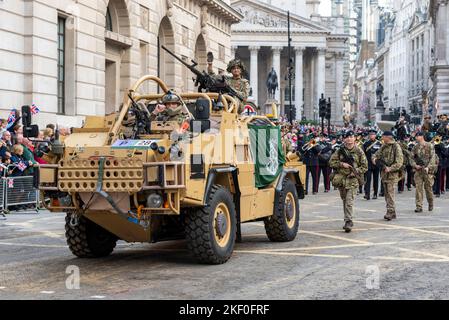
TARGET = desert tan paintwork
(130,174)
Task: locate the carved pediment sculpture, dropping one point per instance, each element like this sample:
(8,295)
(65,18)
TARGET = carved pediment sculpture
(262,18)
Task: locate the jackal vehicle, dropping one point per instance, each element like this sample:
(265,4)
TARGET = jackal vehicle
(159,181)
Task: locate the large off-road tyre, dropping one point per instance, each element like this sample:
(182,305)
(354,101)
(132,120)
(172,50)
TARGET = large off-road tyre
(88,240)
(211,231)
(283,225)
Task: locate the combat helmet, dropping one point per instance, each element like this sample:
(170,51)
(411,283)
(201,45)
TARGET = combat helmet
(235,63)
(171,97)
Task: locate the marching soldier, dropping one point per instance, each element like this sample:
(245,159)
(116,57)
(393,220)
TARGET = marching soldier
(370,148)
(427,124)
(237,82)
(389,159)
(441,152)
(324,156)
(406,153)
(349,164)
(423,161)
(312,167)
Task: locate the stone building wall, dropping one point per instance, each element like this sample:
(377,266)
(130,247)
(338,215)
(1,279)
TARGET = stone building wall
(101,64)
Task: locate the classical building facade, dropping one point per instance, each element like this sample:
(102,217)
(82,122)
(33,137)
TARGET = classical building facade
(420,44)
(77,58)
(319,51)
(439,94)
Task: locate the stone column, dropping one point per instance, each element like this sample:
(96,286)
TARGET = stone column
(233,51)
(320,76)
(254,74)
(299,81)
(277,67)
(337,105)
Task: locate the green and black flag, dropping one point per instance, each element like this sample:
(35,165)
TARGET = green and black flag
(267,153)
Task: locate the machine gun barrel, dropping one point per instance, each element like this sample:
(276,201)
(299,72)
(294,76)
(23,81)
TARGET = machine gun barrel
(205,80)
(191,67)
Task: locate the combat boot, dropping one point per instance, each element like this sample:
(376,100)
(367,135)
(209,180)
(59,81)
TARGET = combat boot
(388,216)
(430,207)
(348,226)
(418,210)
(375,197)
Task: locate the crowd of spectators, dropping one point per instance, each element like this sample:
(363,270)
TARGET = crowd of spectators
(18,154)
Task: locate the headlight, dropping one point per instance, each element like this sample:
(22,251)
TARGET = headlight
(154,200)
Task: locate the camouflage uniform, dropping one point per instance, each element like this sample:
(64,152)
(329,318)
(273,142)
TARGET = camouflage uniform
(240,84)
(424,154)
(177,115)
(406,163)
(391,155)
(345,180)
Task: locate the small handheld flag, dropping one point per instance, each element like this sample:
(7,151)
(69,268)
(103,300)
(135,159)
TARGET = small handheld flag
(34,109)
(12,116)
(21,166)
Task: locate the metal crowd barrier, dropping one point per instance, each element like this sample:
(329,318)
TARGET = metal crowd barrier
(17,191)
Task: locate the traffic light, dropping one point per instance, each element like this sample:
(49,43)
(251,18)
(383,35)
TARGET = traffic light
(322,104)
(328,109)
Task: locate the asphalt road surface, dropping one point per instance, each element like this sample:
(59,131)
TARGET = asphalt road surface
(403,259)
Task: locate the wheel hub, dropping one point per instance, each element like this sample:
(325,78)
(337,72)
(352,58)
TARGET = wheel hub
(289,210)
(221,224)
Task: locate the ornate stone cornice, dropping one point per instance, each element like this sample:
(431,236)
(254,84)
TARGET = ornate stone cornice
(277,49)
(222,9)
(321,51)
(254,48)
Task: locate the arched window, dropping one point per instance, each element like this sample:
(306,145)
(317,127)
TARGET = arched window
(108,20)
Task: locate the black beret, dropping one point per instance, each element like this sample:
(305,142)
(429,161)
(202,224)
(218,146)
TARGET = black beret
(348,133)
(387,134)
(419,134)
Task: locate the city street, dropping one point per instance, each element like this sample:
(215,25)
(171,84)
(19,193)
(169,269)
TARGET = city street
(403,259)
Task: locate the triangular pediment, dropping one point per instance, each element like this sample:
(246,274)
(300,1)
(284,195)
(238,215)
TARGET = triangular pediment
(262,16)
(419,17)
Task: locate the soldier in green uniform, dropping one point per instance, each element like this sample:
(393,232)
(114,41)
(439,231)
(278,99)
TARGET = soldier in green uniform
(237,82)
(171,109)
(390,159)
(423,161)
(406,153)
(349,164)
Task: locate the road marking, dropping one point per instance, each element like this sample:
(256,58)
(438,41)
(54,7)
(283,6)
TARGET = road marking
(320,220)
(335,237)
(395,226)
(32,245)
(97,297)
(47,292)
(380,228)
(2,288)
(294,254)
(446,258)
(407,259)
(352,245)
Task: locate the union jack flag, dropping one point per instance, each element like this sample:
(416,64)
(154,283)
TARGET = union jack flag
(12,116)
(21,166)
(34,109)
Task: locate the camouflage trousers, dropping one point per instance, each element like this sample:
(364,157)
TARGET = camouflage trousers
(348,196)
(424,183)
(389,188)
